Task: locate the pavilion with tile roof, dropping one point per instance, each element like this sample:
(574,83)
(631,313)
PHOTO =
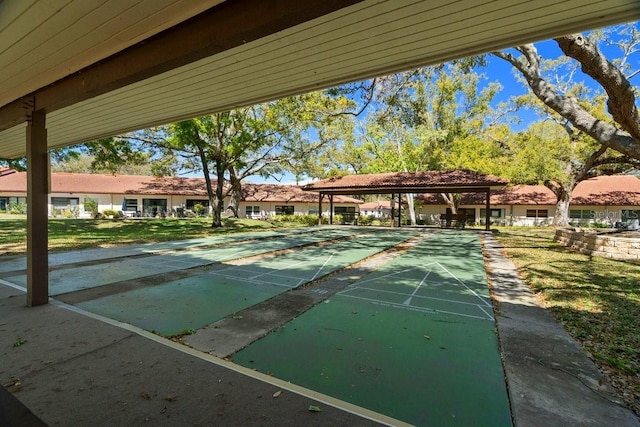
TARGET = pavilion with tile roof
(452,181)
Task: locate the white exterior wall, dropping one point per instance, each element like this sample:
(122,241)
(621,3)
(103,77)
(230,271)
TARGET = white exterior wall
(268,209)
(114,202)
(378,213)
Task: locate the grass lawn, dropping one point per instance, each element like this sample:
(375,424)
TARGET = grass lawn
(67,234)
(596,299)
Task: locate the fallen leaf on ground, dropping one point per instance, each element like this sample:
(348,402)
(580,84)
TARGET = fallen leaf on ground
(313,408)
(277,393)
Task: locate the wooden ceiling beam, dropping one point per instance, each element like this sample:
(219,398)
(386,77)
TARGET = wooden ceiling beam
(223,27)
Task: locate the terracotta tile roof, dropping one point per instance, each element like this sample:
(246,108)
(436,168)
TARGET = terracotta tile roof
(285,193)
(404,180)
(379,205)
(619,190)
(148,185)
(616,190)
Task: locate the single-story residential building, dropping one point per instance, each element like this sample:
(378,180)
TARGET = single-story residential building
(156,196)
(604,199)
(377,209)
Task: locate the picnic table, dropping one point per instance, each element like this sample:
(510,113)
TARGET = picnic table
(450,220)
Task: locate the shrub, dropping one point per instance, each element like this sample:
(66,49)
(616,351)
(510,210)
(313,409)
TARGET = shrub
(91,205)
(309,220)
(366,219)
(110,213)
(17,208)
(72,212)
(199,209)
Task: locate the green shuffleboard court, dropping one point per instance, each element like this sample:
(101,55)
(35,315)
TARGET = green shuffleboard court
(414,340)
(121,269)
(174,306)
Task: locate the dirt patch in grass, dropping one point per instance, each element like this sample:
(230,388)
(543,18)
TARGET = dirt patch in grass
(597,300)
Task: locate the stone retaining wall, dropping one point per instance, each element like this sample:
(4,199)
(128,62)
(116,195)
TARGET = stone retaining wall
(604,245)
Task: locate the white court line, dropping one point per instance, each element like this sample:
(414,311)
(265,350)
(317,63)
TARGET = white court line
(287,266)
(315,275)
(243,272)
(389,275)
(488,314)
(416,308)
(408,300)
(13,285)
(404,294)
(255,282)
(463,284)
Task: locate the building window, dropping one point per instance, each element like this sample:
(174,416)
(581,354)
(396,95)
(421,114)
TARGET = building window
(64,202)
(537,213)
(284,210)
(153,207)
(495,213)
(192,202)
(348,213)
(130,205)
(65,205)
(252,211)
(581,214)
(4,204)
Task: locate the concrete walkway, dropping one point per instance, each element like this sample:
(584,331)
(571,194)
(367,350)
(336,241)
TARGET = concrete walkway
(551,380)
(66,367)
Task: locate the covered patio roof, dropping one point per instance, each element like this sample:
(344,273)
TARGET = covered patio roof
(102,68)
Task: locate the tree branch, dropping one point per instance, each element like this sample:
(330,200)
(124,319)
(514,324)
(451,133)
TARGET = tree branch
(622,101)
(568,107)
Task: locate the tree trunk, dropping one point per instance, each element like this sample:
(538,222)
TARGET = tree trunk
(452,201)
(207,180)
(411,208)
(561,217)
(235,192)
(218,206)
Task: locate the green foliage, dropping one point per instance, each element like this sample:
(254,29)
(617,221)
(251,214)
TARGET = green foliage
(17,208)
(199,209)
(91,205)
(366,219)
(420,121)
(72,212)
(110,213)
(308,220)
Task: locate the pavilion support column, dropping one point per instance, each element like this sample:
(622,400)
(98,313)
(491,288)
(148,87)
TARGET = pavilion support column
(37,216)
(320,197)
(331,209)
(399,209)
(393,209)
(487,211)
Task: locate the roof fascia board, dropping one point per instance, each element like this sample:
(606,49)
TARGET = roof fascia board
(407,189)
(223,27)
